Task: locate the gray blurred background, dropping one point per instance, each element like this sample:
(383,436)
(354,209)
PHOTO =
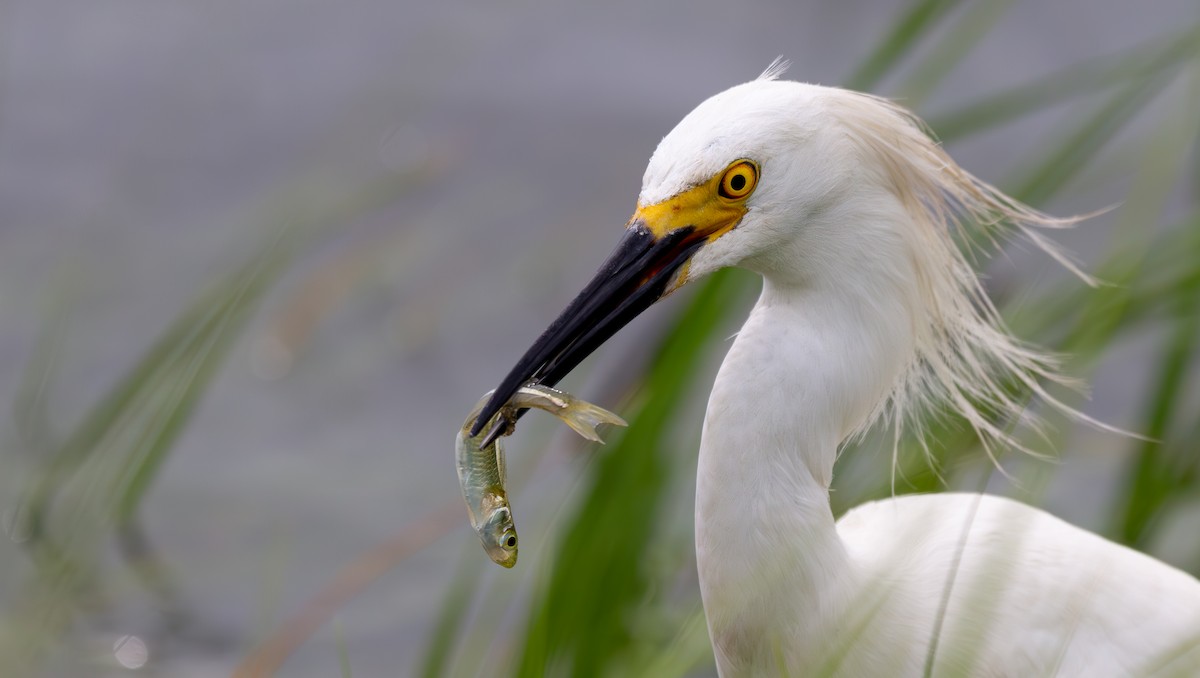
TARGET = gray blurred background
(140,141)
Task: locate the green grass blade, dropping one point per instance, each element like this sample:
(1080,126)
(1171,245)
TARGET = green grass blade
(339,638)
(179,346)
(1163,271)
(94,481)
(580,630)
(100,420)
(921,17)
(174,413)
(1153,480)
(1107,309)
(1139,63)
(30,407)
(1086,140)
(451,613)
(687,651)
(968,32)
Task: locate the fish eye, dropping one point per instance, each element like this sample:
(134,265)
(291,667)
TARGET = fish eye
(739,180)
(508,539)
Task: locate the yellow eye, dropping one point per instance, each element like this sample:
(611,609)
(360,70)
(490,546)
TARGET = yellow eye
(739,180)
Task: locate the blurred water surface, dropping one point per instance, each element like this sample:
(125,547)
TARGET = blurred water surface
(139,142)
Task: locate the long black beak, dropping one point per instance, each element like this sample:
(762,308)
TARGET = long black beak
(635,276)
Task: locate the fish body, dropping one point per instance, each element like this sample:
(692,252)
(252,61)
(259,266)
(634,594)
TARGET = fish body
(481,472)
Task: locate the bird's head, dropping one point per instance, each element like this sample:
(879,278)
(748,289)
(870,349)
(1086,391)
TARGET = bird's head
(729,184)
(744,172)
(784,177)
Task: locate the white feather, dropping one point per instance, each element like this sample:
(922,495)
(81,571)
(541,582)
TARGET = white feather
(869,310)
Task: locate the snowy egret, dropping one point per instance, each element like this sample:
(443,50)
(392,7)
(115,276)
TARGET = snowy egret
(847,208)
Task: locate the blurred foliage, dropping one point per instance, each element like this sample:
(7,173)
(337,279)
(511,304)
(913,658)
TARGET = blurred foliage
(86,490)
(616,593)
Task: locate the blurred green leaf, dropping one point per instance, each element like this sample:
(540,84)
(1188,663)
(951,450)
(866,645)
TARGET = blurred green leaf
(1094,75)
(339,635)
(91,485)
(155,398)
(30,407)
(921,17)
(687,650)
(977,21)
(451,613)
(190,377)
(1155,475)
(1085,139)
(580,630)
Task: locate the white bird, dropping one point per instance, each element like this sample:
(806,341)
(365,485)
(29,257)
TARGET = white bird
(847,208)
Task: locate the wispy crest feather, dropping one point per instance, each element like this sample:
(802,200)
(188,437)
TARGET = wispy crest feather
(775,69)
(965,357)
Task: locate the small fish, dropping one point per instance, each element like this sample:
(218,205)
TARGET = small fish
(481,470)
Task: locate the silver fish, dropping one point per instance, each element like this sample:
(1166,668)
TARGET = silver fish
(481,472)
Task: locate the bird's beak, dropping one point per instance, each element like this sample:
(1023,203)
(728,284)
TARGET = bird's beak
(649,262)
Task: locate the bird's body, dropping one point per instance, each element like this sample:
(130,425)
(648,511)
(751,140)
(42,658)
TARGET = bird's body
(847,209)
(964,584)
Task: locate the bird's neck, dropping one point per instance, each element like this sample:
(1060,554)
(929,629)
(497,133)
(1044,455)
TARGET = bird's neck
(809,366)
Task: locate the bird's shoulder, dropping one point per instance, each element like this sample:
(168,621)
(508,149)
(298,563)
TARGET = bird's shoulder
(953,524)
(1005,564)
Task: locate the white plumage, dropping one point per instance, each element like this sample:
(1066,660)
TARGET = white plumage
(869,311)
(866,302)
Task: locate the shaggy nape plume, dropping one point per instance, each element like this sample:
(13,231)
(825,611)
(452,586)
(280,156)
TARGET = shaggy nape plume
(965,357)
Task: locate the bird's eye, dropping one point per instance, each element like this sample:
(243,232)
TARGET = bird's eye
(739,180)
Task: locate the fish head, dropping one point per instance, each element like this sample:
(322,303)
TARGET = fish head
(499,536)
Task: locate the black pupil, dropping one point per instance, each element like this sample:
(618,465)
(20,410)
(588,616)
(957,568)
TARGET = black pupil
(738,182)
(512,541)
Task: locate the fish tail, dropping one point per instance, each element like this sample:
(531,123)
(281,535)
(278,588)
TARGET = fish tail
(584,417)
